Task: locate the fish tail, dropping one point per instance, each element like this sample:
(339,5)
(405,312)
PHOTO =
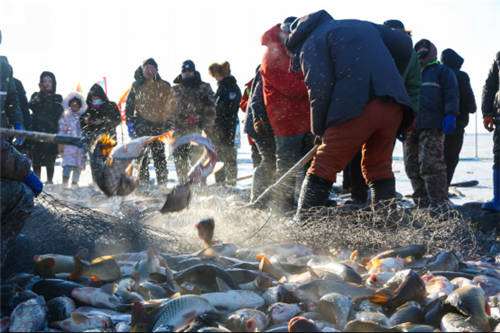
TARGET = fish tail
(379,297)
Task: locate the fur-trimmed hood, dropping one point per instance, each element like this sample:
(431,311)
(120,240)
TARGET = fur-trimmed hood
(72,95)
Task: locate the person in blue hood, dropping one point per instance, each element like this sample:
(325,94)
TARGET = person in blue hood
(353,71)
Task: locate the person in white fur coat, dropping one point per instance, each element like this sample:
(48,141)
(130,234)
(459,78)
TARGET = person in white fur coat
(69,124)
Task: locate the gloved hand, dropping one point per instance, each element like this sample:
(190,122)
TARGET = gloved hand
(318,140)
(449,124)
(18,141)
(488,123)
(258,126)
(34,183)
(131,130)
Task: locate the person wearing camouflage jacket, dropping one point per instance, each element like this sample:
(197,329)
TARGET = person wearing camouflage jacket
(195,113)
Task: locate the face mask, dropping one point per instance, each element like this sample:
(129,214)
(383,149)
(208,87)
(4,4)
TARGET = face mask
(97,102)
(189,81)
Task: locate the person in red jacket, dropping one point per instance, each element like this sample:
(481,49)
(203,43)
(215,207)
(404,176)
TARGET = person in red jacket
(287,104)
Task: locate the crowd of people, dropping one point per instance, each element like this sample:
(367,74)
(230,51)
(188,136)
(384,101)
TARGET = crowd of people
(347,88)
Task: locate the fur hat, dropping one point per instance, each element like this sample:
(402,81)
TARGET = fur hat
(74,95)
(219,69)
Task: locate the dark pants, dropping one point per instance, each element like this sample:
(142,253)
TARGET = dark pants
(374,131)
(226,153)
(263,174)
(44,154)
(17,203)
(146,128)
(353,178)
(496,144)
(185,157)
(452,147)
(289,150)
(255,155)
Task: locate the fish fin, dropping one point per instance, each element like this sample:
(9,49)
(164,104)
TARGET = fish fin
(94,278)
(354,255)
(79,318)
(101,259)
(222,285)
(167,137)
(129,170)
(374,263)
(157,278)
(313,273)
(408,259)
(78,269)
(379,297)
(487,308)
(176,295)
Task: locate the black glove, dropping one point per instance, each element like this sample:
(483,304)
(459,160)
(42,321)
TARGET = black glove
(318,140)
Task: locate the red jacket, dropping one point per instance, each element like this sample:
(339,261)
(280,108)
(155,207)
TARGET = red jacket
(285,93)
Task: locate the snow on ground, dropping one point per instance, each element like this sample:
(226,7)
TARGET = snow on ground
(469,168)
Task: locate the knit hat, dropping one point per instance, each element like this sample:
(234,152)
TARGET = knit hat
(396,24)
(188,66)
(285,26)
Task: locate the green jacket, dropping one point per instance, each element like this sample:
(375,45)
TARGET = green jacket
(412,78)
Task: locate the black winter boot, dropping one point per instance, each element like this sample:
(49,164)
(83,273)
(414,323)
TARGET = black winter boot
(383,190)
(314,193)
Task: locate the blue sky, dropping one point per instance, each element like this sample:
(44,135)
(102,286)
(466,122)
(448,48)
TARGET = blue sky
(82,41)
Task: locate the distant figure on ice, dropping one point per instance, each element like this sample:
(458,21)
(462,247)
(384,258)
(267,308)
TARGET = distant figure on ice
(424,146)
(150,108)
(227,102)
(287,106)
(354,104)
(47,109)
(18,187)
(491,118)
(195,113)
(258,127)
(467,104)
(73,158)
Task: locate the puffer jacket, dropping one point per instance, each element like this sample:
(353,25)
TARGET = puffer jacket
(285,93)
(347,64)
(69,124)
(491,91)
(107,113)
(439,96)
(10,110)
(467,102)
(195,106)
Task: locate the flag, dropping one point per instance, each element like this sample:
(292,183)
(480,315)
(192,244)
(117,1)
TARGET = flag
(122,101)
(79,88)
(103,84)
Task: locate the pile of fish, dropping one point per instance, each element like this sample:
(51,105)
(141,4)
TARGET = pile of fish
(273,288)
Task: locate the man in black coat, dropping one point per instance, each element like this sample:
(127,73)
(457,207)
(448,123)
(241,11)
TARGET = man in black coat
(358,99)
(491,119)
(467,104)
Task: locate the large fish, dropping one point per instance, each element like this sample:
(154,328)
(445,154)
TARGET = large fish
(180,196)
(29,316)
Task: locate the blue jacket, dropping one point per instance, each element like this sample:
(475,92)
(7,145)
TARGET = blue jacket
(256,109)
(439,96)
(346,64)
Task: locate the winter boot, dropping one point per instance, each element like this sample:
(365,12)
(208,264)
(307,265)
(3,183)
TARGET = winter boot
(314,193)
(383,191)
(65,181)
(495,203)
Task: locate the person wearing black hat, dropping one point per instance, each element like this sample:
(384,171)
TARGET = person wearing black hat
(149,110)
(195,113)
(47,109)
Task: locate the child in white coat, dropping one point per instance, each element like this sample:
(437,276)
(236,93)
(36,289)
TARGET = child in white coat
(69,124)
